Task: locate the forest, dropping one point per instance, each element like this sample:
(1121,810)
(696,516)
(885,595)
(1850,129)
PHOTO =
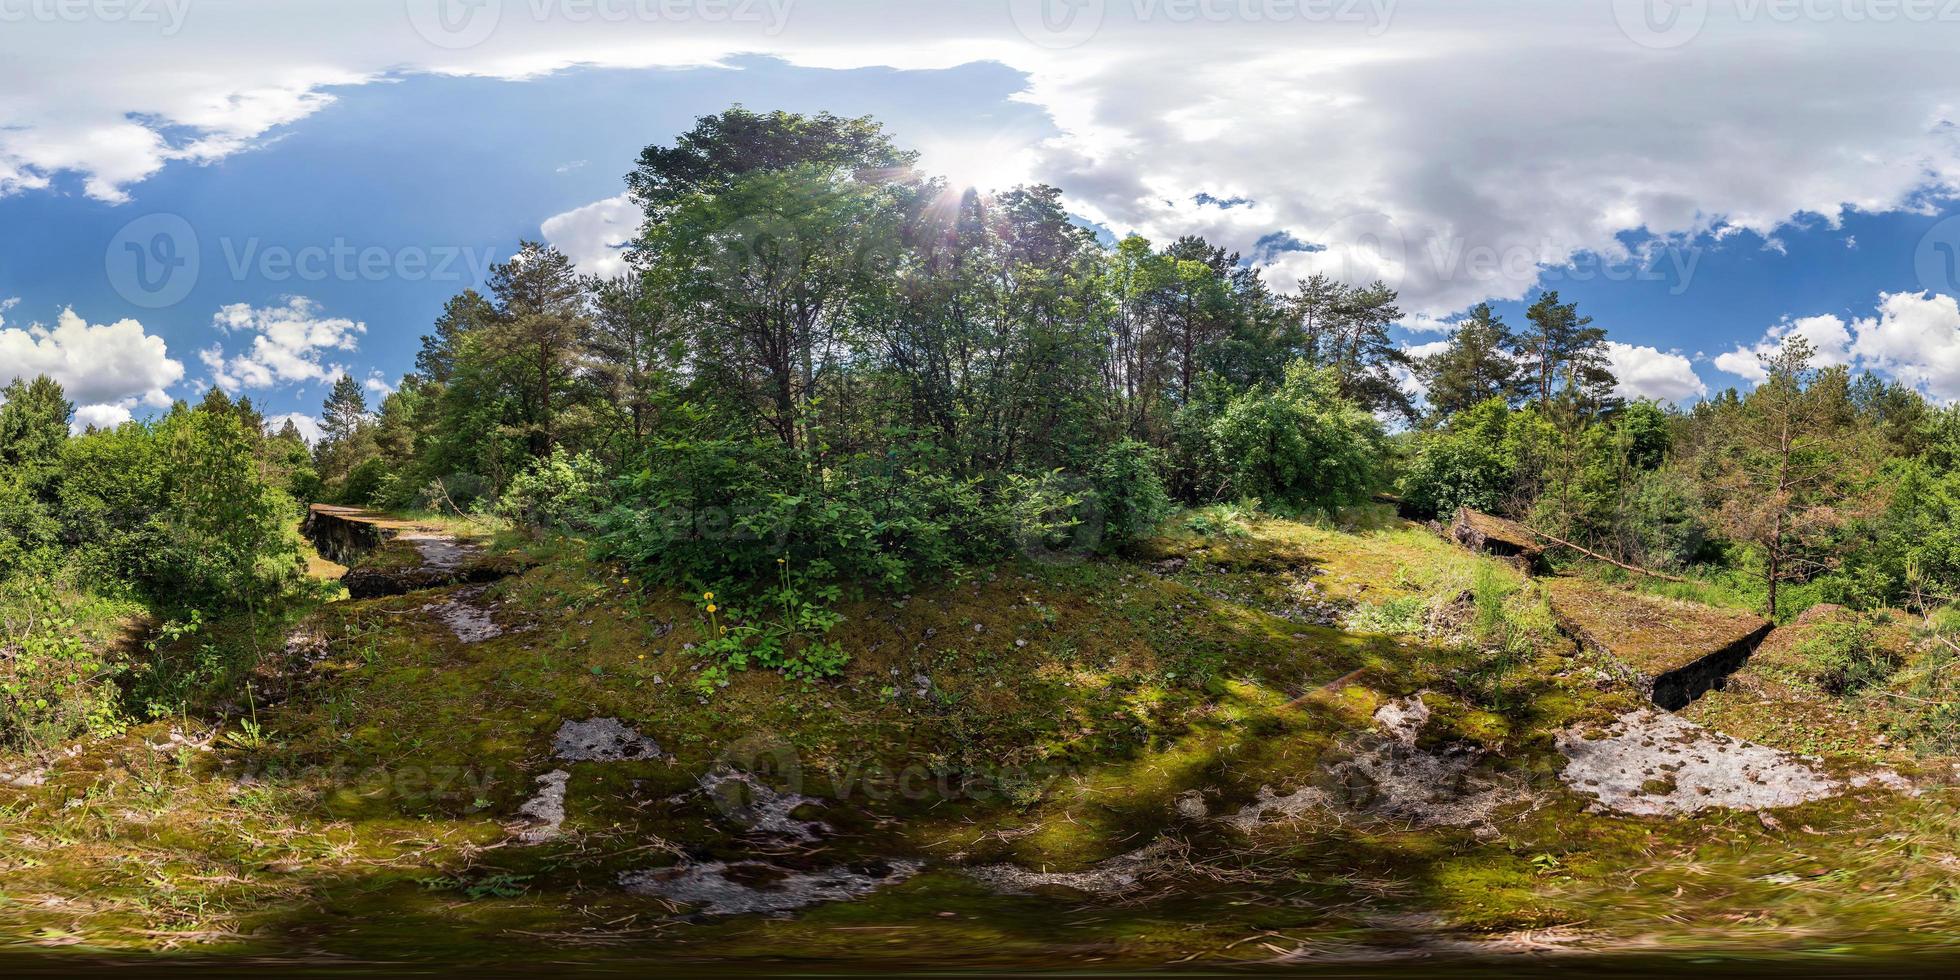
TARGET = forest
(1099,538)
(827,372)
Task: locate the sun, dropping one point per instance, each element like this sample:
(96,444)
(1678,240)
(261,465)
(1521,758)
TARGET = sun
(986,164)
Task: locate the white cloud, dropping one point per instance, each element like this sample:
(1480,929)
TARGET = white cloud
(308,426)
(1915,338)
(100,416)
(106,369)
(287,347)
(1829,337)
(1645,372)
(1428,153)
(591,236)
(377,385)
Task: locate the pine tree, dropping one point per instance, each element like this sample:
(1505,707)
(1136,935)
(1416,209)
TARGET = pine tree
(1476,366)
(1563,353)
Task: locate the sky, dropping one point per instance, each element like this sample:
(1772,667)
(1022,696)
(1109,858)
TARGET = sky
(264,195)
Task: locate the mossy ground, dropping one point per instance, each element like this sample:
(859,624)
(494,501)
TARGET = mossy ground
(1047,714)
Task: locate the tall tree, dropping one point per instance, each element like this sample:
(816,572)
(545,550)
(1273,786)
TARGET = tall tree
(727,146)
(343,425)
(1476,366)
(1789,464)
(540,321)
(463,313)
(1563,353)
(633,347)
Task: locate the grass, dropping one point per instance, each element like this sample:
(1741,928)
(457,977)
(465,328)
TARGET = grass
(1052,715)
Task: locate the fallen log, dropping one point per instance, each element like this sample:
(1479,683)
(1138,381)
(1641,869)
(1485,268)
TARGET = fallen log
(1561,542)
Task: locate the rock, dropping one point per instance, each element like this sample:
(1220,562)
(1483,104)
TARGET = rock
(1115,876)
(470,623)
(542,817)
(756,807)
(602,740)
(754,887)
(1656,764)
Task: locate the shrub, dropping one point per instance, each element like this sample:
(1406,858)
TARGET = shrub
(54,685)
(1467,465)
(1844,658)
(721,512)
(559,491)
(364,484)
(1130,495)
(1299,444)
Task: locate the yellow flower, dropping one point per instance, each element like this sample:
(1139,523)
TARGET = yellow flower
(711,607)
(643,656)
(782,561)
(710,596)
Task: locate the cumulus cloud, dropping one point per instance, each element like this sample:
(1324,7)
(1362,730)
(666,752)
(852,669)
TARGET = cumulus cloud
(1415,149)
(288,344)
(308,426)
(1646,372)
(1912,337)
(1916,338)
(1828,335)
(107,370)
(99,416)
(591,236)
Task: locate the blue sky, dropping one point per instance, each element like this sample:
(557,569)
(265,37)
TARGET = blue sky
(1762,176)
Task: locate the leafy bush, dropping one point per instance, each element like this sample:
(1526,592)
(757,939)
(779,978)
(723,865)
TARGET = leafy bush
(54,684)
(559,491)
(364,483)
(1130,494)
(181,509)
(1466,465)
(1843,658)
(717,513)
(1299,444)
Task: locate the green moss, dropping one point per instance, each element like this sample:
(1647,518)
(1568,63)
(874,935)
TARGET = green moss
(1049,715)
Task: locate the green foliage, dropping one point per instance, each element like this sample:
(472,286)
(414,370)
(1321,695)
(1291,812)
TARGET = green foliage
(1130,495)
(1405,614)
(786,628)
(1299,444)
(1221,520)
(721,512)
(54,684)
(1474,462)
(1844,658)
(560,491)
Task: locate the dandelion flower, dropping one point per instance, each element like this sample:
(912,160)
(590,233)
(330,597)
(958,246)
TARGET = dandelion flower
(710,596)
(711,607)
